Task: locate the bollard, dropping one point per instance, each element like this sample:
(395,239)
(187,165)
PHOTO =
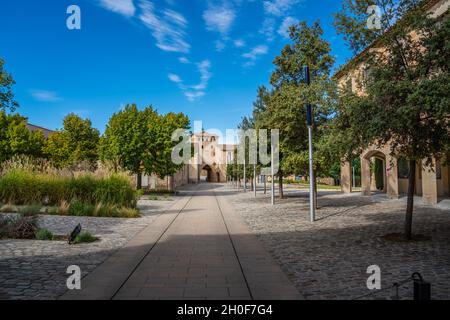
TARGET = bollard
(422,289)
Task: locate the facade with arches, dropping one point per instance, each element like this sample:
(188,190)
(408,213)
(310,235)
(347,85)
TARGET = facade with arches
(380,170)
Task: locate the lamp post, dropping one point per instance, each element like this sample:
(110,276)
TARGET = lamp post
(255,180)
(245,178)
(309,123)
(272,169)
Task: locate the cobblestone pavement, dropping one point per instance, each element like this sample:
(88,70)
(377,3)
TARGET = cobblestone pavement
(32,269)
(328,259)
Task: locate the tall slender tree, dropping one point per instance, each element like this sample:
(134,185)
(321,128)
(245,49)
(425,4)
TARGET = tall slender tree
(283,107)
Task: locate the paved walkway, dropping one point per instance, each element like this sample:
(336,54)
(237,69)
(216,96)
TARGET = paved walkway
(198,249)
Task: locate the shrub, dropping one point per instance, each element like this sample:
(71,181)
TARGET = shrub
(116,190)
(85,237)
(21,187)
(78,208)
(22,227)
(30,210)
(63,208)
(8,208)
(44,234)
(129,213)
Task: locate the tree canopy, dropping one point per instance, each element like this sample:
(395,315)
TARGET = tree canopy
(7,101)
(141,141)
(406,85)
(76,143)
(283,106)
(16,139)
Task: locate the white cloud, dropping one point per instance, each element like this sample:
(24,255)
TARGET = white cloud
(268,29)
(194,92)
(184,60)
(123,7)
(194,95)
(203,67)
(174,78)
(239,43)
(168,28)
(254,54)
(220,45)
(219,19)
(45,95)
(278,8)
(284,28)
(256,51)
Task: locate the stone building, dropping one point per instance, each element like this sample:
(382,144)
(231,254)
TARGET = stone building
(210,163)
(207,165)
(432,183)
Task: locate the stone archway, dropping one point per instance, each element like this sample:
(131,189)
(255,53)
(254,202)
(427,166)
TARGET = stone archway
(383,176)
(373,172)
(206,173)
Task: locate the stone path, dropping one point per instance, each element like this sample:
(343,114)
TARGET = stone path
(328,259)
(31,269)
(200,249)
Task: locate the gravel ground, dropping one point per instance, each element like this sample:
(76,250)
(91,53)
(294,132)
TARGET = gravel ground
(31,269)
(328,259)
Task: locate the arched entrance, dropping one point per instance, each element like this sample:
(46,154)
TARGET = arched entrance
(206,174)
(373,172)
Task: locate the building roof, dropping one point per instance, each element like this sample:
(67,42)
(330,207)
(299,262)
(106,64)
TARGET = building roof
(426,5)
(205,134)
(45,131)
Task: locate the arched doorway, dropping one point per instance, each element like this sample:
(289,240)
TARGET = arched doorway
(206,174)
(373,172)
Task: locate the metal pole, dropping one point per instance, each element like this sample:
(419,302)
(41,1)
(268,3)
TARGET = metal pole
(255,179)
(272,184)
(309,123)
(312,207)
(245,180)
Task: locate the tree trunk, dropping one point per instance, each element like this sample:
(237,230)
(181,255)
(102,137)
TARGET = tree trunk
(280,185)
(410,201)
(139,181)
(252,184)
(265,184)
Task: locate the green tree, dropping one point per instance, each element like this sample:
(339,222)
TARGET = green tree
(160,160)
(7,101)
(141,141)
(16,139)
(407,88)
(283,107)
(76,143)
(127,136)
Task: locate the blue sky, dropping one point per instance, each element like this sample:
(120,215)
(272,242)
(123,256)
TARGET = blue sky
(203,58)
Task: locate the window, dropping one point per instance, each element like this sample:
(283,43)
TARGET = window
(403,169)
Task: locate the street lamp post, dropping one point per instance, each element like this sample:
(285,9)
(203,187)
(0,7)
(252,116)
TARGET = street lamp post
(272,169)
(245,178)
(255,180)
(309,123)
